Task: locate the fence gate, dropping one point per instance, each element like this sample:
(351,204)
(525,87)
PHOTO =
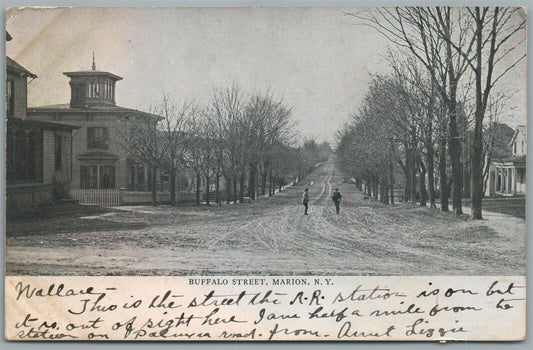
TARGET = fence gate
(96,197)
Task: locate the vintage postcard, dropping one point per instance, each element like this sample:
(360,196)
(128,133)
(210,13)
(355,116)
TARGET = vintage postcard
(328,174)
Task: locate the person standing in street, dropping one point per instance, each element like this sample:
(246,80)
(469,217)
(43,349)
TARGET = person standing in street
(305,200)
(337,199)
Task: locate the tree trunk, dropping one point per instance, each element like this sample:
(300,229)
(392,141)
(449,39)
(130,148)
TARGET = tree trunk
(431,174)
(405,168)
(477,178)
(173,172)
(454,146)
(430,159)
(422,184)
(207,189)
(410,176)
(217,188)
(270,192)
(241,185)
(198,181)
(228,189)
(252,180)
(457,172)
(384,184)
(234,189)
(477,150)
(380,189)
(413,194)
(375,187)
(154,189)
(264,178)
(444,189)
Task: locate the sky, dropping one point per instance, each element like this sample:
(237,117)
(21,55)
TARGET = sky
(316,59)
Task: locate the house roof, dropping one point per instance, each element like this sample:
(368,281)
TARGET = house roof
(14,67)
(517,160)
(62,108)
(14,122)
(98,154)
(520,129)
(92,73)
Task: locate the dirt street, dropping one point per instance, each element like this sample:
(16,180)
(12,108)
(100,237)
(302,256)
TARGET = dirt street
(271,236)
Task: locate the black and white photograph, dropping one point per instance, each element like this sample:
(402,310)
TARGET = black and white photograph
(270,141)
(266,141)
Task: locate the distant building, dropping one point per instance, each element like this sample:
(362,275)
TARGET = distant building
(99,161)
(38,154)
(507,174)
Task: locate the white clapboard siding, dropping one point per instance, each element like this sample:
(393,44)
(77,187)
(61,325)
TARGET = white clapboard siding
(96,197)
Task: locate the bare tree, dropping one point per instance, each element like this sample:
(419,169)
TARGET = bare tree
(427,33)
(227,105)
(143,142)
(176,129)
(271,125)
(495,31)
(449,41)
(424,100)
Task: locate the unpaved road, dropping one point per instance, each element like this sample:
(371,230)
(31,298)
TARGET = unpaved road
(272,237)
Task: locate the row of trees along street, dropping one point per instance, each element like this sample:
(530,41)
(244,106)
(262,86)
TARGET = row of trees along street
(247,143)
(433,113)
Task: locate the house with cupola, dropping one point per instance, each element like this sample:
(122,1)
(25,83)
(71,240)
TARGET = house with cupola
(99,160)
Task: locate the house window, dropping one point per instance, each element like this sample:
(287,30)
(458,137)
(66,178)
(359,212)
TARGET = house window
(107,176)
(88,176)
(515,148)
(97,176)
(10,99)
(97,138)
(58,151)
(25,156)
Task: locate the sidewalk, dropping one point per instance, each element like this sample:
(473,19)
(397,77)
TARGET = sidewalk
(504,224)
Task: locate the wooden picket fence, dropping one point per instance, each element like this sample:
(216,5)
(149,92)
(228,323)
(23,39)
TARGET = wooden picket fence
(94,196)
(112,197)
(144,197)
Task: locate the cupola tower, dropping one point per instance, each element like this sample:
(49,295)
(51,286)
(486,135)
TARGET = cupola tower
(92,88)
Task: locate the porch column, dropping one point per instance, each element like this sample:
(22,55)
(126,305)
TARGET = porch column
(504,180)
(514,179)
(98,177)
(497,179)
(509,180)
